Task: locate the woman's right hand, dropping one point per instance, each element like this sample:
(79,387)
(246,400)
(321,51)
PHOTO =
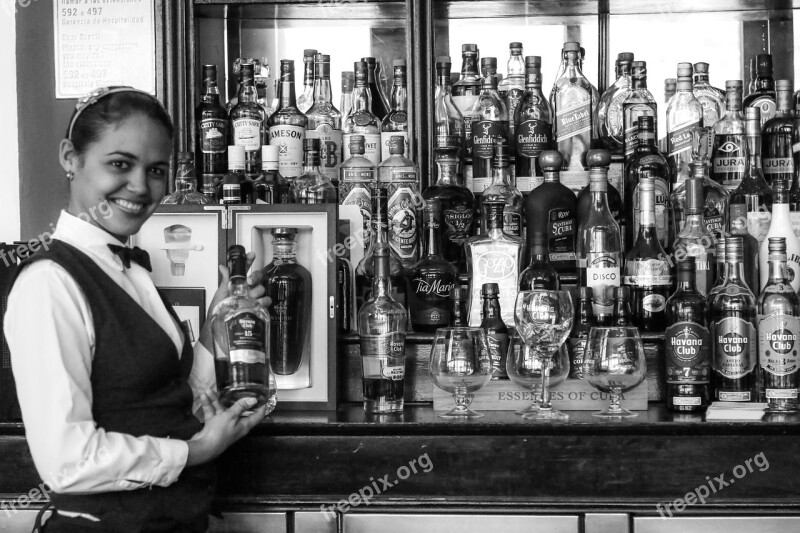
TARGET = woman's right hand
(222,427)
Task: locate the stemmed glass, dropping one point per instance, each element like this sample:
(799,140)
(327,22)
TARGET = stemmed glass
(544,319)
(460,364)
(614,363)
(525,369)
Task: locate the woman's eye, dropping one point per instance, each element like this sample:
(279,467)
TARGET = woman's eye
(121,165)
(158,172)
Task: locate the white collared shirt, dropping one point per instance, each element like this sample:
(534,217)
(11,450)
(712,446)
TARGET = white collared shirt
(50,332)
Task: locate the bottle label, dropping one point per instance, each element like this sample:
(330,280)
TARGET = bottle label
(360,196)
(781,394)
(767,106)
(494,266)
(734,343)
(577,350)
(458,220)
(289,140)
(383,356)
(574,120)
(794,217)
(686,400)
(512,223)
(648,273)
(778,165)
(386,137)
(561,226)
(733,396)
(679,139)
(247,133)
(778,347)
(654,303)
(498,348)
(330,149)
(480,184)
(729,160)
(533,137)
(484,132)
(715,223)
(632,112)
(602,275)
(433,284)
(452,142)
(214,135)
(528,183)
(247,339)
(467,134)
(231,193)
(403,205)
(358,175)
(372,147)
(662,213)
(688,350)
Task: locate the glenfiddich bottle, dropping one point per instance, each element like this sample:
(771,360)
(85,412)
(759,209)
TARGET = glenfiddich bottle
(306,99)
(400,176)
(325,121)
(733,330)
(574,106)
(600,160)
(395,123)
(539,274)
(552,210)
(211,121)
(763,98)
(489,120)
(776,138)
(694,240)
(638,103)
(357,181)
(287,125)
(687,345)
(362,120)
(609,110)
(533,119)
(502,190)
(622,316)
(711,98)
(778,331)
(684,113)
(584,321)
(431,279)
(465,94)
(496,331)
(247,120)
(730,150)
(647,267)
(781,226)
(380,107)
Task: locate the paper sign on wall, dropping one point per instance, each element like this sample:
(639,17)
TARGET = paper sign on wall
(104,42)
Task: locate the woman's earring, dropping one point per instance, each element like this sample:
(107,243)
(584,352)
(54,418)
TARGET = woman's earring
(70,175)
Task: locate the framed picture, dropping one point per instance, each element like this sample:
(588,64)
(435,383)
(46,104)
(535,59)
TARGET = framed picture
(190,306)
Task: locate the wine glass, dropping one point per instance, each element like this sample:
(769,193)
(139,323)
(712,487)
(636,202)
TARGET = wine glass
(460,364)
(544,319)
(614,363)
(525,369)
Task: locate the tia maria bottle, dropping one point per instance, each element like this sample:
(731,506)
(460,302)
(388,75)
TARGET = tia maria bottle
(533,119)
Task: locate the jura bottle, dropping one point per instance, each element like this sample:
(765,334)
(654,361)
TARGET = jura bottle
(730,150)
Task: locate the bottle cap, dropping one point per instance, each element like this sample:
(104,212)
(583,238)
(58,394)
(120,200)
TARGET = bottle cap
(701,68)
(469,48)
(357,144)
(399,63)
(362,75)
(639,69)
(322,58)
(458,293)
(572,46)
(670,84)
(598,158)
(489,62)
(309,53)
(777,249)
(237,261)
(369,60)
(236,153)
(533,61)
(514,45)
(688,264)
(210,72)
(721,249)
(685,70)
(490,290)
(622,293)
(752,121)
(764,65)
(625,57)
(397,144)
(585,293)
(733,84)
(734,249)
(551,160)
(442,60)
(284,232)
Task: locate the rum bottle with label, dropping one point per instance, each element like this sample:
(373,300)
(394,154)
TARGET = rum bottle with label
(496,331)
(601,160)
(781,226)
(382,332)
(241,329)
(609,110)
(730,150)
(432,278)
(694,240)
(247,120)
(457,208)
(306,99)
(357,181)
(574,108)
(395,124)
(687,345)
(647,267)
(552,210)
(684,113)
(489,122)
(711,98)
(763,97)
(494,257)
(325,121)
(778,333)
(502,190)
(638,103)
(211,135)
(465,94)
(533,126)
(584,321)
(287,125)
(733,330)
(539,274)
(400,176)
(776,138)
(361,120)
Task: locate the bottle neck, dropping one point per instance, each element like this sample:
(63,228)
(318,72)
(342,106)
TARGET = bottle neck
(362,101)
(399,98)
(459,315)
(286,94)
(210,91)
(622,313)
(247,91)
(515,66)
(323,92)
(754,152)
(491,308)
(237,286)
(434,236)
(639,82)
(311,162)
(284,249)
(778,272)
(381,284)
(448,170)
(734,271)
(500,175)
(539,256)
(647,141)
(469,65)
(686,282)
(552,176)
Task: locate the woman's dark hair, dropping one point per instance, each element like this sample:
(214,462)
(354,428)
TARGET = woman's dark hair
(88,123)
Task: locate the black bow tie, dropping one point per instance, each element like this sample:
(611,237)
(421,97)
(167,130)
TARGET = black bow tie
(135,254)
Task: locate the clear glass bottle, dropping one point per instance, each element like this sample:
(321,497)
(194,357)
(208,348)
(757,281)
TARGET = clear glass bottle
(584,321)
(751,246)
(638,103)
(670,86)
(312,187)
(448,121)
(211,134)
(694,239)
(711,98)
(778,333)
(382,322)
(287,125)
(241,330)
(306,99)
(494,257)
(346,99)
(270,187)
(186,183)
(496,330)
(324,120)
(465,94)
(609,109)
(533,119)
(539,274)
(489,122)
(730,150)
(684,113)
(622,316)
(502,190)
(361,120)
(395,123)
(247,120)
(513,85)
(357,181)
(763,96)
(601,159)
(400,177)
(781,227)
(776,137)
(379,104)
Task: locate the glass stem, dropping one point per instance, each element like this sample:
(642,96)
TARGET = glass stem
(462,402)
(616,392)
(545,383)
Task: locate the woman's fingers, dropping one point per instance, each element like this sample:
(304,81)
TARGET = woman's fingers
(241,406)
(205,404)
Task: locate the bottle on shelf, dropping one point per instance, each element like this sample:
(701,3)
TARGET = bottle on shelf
(361,120)
(687,345)
(719,272)
(261,73)
(380,106)
(234,183)
(584,321)
(465,94)
(751,247)
(733,330)
(609,109)
(211,134)
(306,98)
(312,187)
(432,278)
(599,244)
(513,85)
(400,176)
(247,121)
(694,239)
(395,123)
(752,199)
(489,123)
(346,99)
(780,226)
(533,126)
(670,87)
(778,333)
(186,183)
(448,122)
(289,285)
(382,324)
(551,210)
(287,125)
(270,187)
(494,257)
(638,103)
(496,330)
(325,121)
(730,149)
(776,137)
(501,190)
(763,94)
(241,329)
(357,181)
(622,316)
(539,274)
(684,113)
(711,98)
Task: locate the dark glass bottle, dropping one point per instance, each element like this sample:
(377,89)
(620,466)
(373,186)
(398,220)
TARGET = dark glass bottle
(458,313)
(601,159)
(489,122)
(623,316)
(287,125)
(639,103)
(763,97)
(776,138)
(270,187)
(687,345)
(533,120)
(551,210)
(794,192)
(380,106)
(432,278)
(584,321)
(247,121)
(539,274)
(211,121)
(496,330)
(733,330)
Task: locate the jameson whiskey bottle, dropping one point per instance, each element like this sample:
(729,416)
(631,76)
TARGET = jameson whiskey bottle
(211,121)
(730,151)
(533,119)
(638,103)
(287,125)
(733,330)
(247,120)
(552,211)
(539,274)
(763,97)
(357,181)
(395,124)
(361,120)
(496,330)
(694,240)
(776,138)
(325,121)
(489,120)
(584,321)
(647,268)
(778,333)
(609,110)
(465,94)
(687,345)
(684,113)
(711,98)
(502,190)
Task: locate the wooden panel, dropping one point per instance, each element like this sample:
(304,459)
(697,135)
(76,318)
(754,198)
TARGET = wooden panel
(716,525)
(249,523)
(430,523)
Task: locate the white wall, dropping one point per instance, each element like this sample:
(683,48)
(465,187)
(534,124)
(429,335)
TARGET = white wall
(9,147)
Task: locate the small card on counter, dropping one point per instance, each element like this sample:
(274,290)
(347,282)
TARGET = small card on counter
(569,395)
(735,411)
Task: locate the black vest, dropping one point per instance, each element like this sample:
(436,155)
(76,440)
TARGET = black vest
(139,387)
